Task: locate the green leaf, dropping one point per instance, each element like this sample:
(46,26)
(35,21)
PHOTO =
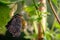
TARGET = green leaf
(57,37)
(7,2)
(57,25)
(31,36)
(54,1)
(4,17)
(30,10)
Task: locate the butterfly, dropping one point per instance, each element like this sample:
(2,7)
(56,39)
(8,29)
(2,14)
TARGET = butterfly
(14,26)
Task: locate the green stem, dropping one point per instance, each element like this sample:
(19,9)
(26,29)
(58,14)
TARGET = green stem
(35,4)
(53,26)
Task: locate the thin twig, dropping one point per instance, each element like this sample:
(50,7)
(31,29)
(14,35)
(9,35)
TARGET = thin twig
(54,11)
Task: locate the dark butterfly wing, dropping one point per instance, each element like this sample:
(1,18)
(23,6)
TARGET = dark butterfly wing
(14,26)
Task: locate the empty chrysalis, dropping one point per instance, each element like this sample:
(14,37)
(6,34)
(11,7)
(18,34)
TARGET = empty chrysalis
(14,26)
